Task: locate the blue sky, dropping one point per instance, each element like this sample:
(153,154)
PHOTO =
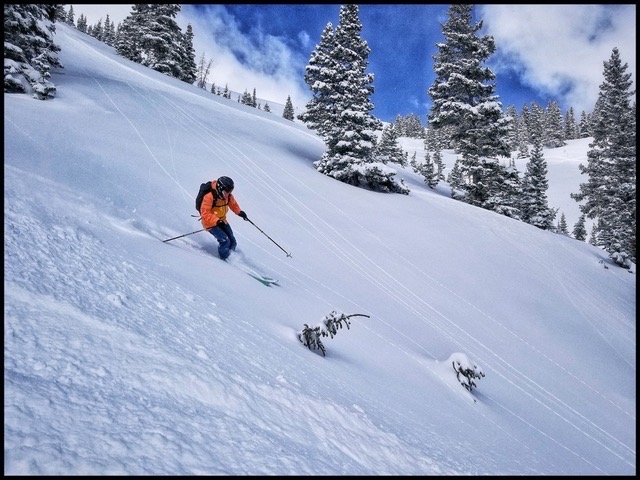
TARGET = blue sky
(543,52)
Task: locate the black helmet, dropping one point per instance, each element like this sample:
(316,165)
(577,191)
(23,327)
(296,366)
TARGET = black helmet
(224,184)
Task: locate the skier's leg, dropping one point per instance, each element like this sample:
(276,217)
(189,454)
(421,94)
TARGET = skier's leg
(232,238)
(224,243)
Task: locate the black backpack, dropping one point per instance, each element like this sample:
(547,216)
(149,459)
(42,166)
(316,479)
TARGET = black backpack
(204,189)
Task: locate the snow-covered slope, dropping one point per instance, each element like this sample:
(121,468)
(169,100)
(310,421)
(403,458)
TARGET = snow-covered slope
(127,355)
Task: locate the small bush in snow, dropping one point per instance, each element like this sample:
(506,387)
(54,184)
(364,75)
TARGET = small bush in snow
(466,370)
(328,327)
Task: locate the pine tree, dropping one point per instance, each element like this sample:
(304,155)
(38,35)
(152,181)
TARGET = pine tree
(162,41)
(150,36)
(535,124)
(70,20)
(456,179)
(533,202)
(610,192)
(579,229)
(267,108)
(562,225)
(426,169)
(463,99)
(388,149)
(553,128)
(584,127)
(570,126)
(512,136)
(433,142)
(593,238)
(188,66)
(107,32)
(96,31)
(288,113)
(506,191)
(134,26)
(246,98)
(319,77)
(81,25)
(343,106)
(410,126)
(29,49)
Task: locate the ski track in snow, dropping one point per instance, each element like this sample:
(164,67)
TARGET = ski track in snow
(117,291)
(367,268)
(355,259)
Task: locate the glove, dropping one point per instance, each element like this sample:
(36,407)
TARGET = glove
(220,224)
(243,215)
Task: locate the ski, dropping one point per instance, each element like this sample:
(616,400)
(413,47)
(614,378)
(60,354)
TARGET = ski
(263,280)
(238,260)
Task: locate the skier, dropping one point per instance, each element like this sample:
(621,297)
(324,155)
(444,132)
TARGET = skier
(213,213)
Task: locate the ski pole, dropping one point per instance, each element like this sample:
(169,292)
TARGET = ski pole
(180,236)
(288,254)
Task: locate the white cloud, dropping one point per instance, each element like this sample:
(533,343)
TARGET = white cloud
(246,60)
(241,61)
(560,50)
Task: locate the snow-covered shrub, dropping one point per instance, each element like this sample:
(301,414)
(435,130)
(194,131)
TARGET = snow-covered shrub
(328,327)
(466,370)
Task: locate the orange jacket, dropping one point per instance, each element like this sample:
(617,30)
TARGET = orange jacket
(210,213)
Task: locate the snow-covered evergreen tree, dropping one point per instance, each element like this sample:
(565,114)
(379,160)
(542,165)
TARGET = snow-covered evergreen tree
(562,225)
(58,13)
(512,136)
(584,127)
(388,149)
(341,106)
(188,67)
(464,99)
(533,202)
(553,126)
(288,112)
(29,49)
(246,99)
(409,126)
(151,36)
(535,123)
(351,137)
(426,169)
(570,125)
(133,28)
(162,41)
(504,189)
(109,35)
(81,24)
(70,19)
(319,77)
(593,237)
(609,194)
(96,30)
(579,229)
(267,108)
(434,142)
(456,179)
